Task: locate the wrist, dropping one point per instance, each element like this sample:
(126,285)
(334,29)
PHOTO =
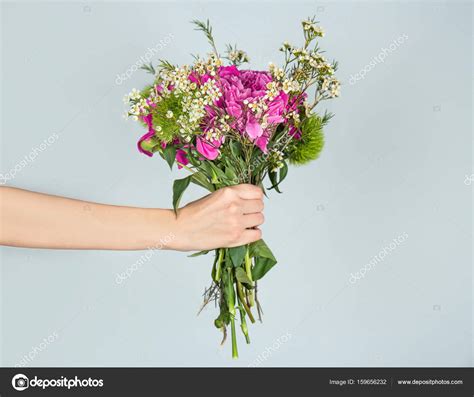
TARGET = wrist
(162,230)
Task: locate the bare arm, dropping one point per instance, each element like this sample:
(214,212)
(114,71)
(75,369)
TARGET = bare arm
(223,219)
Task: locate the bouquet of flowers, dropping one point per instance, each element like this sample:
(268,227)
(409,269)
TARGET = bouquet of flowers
(227,125)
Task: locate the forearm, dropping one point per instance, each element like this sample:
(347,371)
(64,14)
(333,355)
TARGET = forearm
(42,221)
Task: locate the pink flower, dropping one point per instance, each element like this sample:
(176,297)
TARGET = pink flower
(253,128)
(277,108)
(261,142)
(145,138)
(181,158)
(226,71)
(295,132)
(196,78)
(239,88)
(209,150)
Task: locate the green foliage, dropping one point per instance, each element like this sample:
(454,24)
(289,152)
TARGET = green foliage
(242,276)
(206,28)
(165,66)
(276,178)
(264,259)
(169,127)
(169,155)
(237,255)
(145,93)
(309,147)
(179,186)
(149,68)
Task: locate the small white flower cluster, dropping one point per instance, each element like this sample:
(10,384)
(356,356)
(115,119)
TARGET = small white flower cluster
(238,56)
(137,103)
(221,126)
(295,116)
(281,82)
(209,65)
(312,29)
(332,86)
(285,46)
(193,98)
(312,63)
(259,106)
(276,158)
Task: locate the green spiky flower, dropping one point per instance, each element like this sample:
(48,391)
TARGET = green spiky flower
(165,116)
(309,147)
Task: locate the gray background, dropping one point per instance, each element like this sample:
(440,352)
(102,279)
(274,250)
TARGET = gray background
(395,162)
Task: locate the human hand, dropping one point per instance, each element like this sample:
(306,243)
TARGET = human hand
(226,218)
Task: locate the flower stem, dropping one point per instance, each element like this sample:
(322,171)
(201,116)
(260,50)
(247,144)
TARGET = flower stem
(243,323)
(235,353)
(241,296)
(248,264)
(217,275)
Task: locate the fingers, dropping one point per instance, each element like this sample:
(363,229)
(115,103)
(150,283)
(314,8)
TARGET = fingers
(248,192)
(247,237)
(251,206)
(253,220)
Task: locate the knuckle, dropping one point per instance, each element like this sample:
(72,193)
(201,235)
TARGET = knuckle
(227,192)
(233,208)
(259,192)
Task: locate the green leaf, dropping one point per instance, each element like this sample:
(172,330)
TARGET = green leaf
(169,154)
(236,148)
(230,174)
(274,180)
(218,176)
(198,254)
(237,255)
(201,180)
(149,68)
(264,259)
(242,276)
(179,186)
(283,172)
